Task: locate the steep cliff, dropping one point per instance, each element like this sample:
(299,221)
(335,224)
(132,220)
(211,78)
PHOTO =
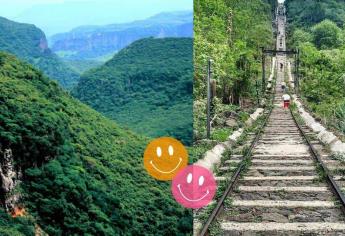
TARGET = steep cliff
(30,44)
(9,180)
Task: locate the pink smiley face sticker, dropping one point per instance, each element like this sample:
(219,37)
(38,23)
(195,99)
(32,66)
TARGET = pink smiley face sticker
(194,187)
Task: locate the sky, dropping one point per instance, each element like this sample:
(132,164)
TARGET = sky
(57,16)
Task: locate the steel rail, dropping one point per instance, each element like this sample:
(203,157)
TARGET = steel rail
(340,195)
(236,175)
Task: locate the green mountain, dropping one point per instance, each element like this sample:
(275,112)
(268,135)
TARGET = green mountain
(81,173)
(29,43)
(146,86)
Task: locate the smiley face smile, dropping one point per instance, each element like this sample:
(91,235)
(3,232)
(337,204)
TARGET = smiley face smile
(194,187)
(166,172)
(164,158)
(191,200)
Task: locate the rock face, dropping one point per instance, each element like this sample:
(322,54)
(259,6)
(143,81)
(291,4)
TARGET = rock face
(43,44)
(9,179)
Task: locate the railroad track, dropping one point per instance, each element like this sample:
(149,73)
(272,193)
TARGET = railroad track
(288,189)
(292,185)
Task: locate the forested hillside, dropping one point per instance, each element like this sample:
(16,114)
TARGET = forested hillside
(82,173)
(29,43)
(316,27)
(231,34)
(146,87)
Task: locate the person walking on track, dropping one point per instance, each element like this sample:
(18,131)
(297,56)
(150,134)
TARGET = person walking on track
(286,98)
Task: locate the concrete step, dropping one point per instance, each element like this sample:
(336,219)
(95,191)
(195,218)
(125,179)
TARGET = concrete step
(221,178)
(278,189)
(280,178)
(281,157)
(265,162)
(280,125)
(313,181)
(279,132)
(280,172)
(287,203)
(282,135)
(295,193)
(282,168)
(227,168)
(314,228)
(283,161)
(273,142)
(233,161)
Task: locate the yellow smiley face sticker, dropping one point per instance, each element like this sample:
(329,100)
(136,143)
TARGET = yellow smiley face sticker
(164,158)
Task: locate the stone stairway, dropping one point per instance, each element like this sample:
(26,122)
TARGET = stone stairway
(282,193)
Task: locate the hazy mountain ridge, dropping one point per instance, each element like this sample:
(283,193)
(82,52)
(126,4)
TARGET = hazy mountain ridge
(89,42)
(171,18)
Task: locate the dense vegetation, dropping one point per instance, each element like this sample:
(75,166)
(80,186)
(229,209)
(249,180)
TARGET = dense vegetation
(146,86)
(307,13)
(83,175)
(231,33)
(29,43)
(316,27)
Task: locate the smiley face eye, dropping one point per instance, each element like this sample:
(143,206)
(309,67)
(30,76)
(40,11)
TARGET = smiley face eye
(201,180)
(171,150)
(189,178)
(159,151)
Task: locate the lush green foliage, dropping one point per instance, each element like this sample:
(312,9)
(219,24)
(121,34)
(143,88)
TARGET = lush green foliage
(29,43)
(83,175)
(326,35)
(307,13)
(300,36)
(146,86)
(231,34)
(322,56)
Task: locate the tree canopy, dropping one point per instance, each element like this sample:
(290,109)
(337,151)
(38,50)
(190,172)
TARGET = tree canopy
(326,34)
